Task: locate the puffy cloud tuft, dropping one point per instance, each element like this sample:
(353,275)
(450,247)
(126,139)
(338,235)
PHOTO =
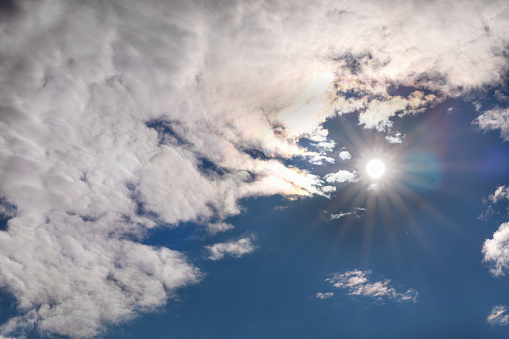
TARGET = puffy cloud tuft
(235,249)
(494,119)
(495,250)
(341,176)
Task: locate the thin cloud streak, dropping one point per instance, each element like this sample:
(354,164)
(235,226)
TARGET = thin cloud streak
(357,283)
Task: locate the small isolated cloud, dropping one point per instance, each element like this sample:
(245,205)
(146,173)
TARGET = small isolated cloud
(496,251)
(219,227)
(331,216)
(498,316)
(357,283)
(372,187)
(357,212)
(494,119)
(501,193)
(235,249)
(345,155)
(326,295)
(341,176)
(395,139)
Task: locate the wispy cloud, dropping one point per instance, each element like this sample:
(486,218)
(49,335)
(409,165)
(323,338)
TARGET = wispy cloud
(357,283)
(214,228)
(357,212)
(235,249)
(498,316)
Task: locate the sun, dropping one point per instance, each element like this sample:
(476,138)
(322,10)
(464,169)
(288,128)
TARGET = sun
(375,168)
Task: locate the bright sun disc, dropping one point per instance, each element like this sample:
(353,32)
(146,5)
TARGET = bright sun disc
(375,168)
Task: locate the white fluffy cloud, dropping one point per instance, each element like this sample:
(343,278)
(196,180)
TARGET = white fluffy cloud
(120,116)
(394,139)
(501,193)
(498,316)
(341,176)
(497,118)
(324,295)
(357,283)
(345,155)
(496,249)
(496,252)
(234,248)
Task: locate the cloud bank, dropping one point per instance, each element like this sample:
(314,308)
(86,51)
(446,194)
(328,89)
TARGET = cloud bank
(120,116)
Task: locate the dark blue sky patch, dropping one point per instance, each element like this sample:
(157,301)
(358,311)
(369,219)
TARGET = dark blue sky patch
(7,212)
(187,237)
(211,169)
(256,153)
(166,132)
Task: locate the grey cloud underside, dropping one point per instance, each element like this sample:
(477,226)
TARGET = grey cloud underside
(120,116)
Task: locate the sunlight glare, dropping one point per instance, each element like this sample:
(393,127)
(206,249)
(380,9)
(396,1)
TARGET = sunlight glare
(375,168)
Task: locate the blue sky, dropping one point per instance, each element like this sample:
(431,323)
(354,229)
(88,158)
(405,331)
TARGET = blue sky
(199,169)
(272,292)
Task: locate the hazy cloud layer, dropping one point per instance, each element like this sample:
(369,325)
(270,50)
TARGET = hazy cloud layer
(357,283)
(120,116)
(498,316)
